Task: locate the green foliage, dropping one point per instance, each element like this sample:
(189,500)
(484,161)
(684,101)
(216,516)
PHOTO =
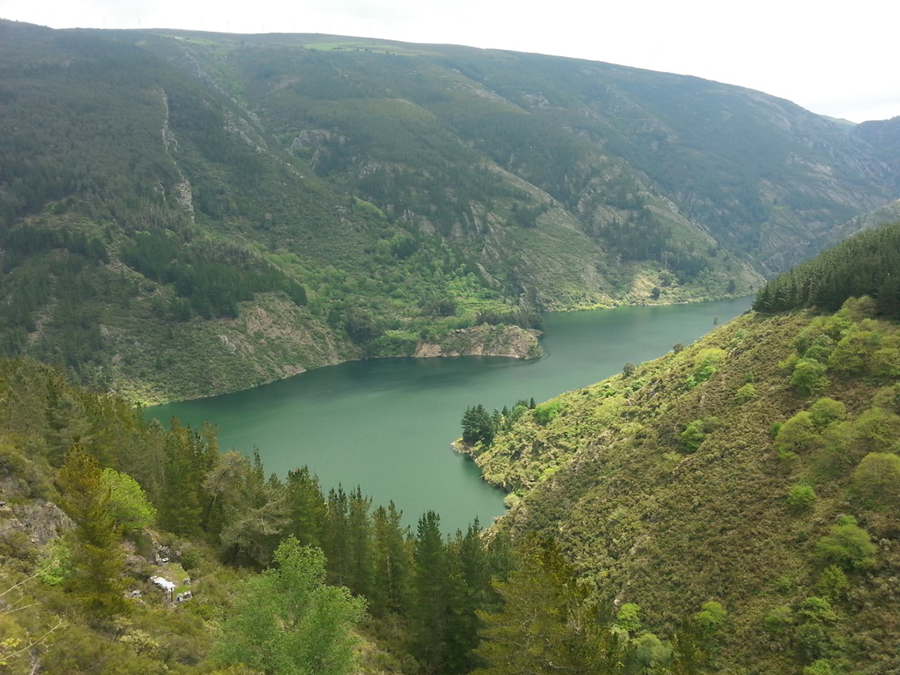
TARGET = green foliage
(848,546)
(285,620)
(809,377)
(650,653)
(816,610)
(547,412)
(797,435)
(127,502)
(53,565)
(860,266)
(430,591)
(705,364)
(709,623)
(628,618)
(779,619)
(801,498)
(477,426)
(619,495)
(819,667)
(876,482)
(96,558)
(826,411)
(833,583)
(544,625)
(746,393)
(696,431)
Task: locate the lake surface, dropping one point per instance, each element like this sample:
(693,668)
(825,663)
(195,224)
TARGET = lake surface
(387,424)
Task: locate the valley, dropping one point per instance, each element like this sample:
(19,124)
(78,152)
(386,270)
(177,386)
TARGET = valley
(253,287)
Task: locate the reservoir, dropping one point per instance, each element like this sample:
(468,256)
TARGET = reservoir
(387,424)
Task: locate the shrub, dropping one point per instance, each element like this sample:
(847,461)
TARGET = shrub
(809,377)
(819,667)
(778,619)
(547,412)
(847,545)
(651,653)
(628,618)
(820,349)
(825,411)
(710,617)
(798,434)
(852,353)
(801,498)
(705,365)
(745,393)
(876,481)
(695,432)
(816,610)
(811,640)
(876,430)
(833,583)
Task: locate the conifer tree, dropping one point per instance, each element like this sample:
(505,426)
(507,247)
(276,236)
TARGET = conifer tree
(305,506)
(392,561)
(336,539)
(469,588)
(545,625)
(97,560)
(360,543)
(429,594)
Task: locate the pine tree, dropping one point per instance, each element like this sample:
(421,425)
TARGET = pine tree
(336,539)
(360,543)
(545,624)
(469,589)
(392,561)
(429,610)
(95,556)
(305,506)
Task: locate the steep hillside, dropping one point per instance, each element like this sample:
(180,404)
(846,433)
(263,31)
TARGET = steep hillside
(638,160)
(183,214)
(757,468)
(155,241)
(884,137)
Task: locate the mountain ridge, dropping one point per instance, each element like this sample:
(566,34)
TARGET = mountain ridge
(377,182)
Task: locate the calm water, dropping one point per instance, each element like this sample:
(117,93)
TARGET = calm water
(387,425)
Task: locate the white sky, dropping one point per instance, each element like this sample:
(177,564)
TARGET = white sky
(834,58)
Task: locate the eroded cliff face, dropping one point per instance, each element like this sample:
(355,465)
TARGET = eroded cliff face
(485,340)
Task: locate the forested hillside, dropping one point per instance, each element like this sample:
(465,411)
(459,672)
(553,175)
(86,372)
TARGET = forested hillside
(757,469)
(731,507)
(129,548)
(183,214)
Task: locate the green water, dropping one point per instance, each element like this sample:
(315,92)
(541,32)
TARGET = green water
(387,424)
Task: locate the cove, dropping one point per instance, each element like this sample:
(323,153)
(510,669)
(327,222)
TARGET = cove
(387,424)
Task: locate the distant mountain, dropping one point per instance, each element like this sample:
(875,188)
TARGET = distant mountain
(185,213)
(884,137)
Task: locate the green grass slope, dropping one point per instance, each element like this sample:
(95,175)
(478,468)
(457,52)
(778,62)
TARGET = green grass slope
(756,468)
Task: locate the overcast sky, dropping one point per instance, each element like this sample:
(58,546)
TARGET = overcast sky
(837,59)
